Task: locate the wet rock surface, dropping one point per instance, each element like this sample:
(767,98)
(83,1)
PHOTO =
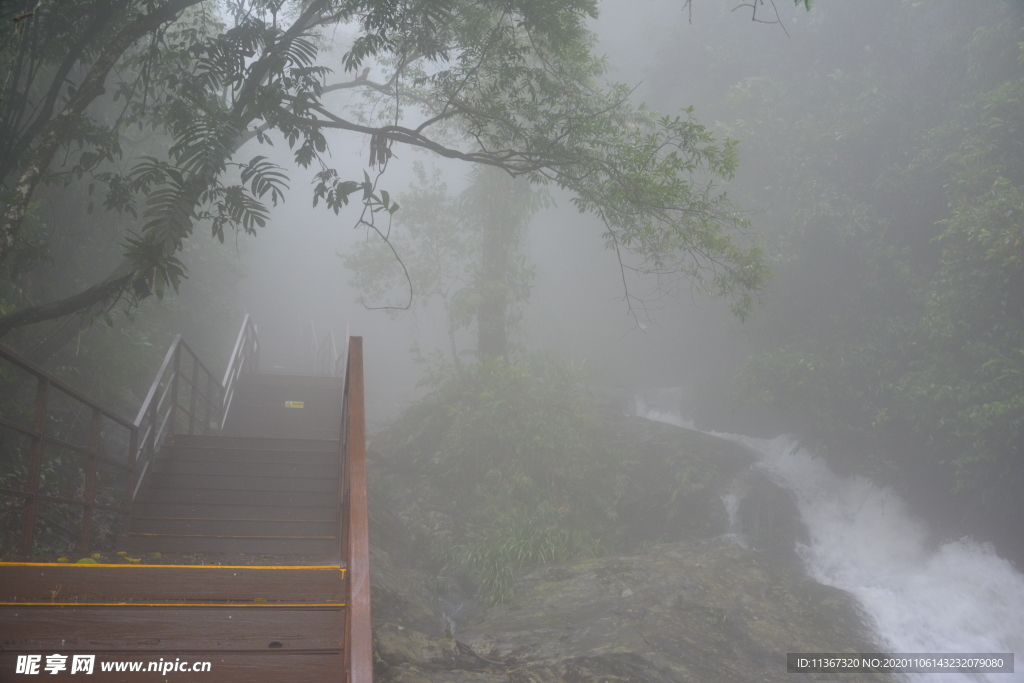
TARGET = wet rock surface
(703,608)
(678,612)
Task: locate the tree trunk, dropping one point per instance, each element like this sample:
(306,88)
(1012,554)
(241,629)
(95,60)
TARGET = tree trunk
(492,320)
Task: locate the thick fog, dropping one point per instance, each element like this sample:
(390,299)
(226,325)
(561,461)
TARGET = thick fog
(784,335)
(577,308)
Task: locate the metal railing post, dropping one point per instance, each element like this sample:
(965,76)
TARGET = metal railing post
(173,419)
(90,478)
(192,392)
(149,447)
(209,403)
(35,464)
(129,487)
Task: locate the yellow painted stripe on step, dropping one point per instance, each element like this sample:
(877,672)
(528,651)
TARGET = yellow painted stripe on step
(172,604)
(311,567)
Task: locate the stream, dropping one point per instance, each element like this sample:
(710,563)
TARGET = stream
(921,597)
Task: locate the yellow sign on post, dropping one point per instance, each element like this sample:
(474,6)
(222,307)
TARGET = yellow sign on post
(294,404)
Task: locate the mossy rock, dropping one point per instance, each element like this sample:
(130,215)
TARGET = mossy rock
(659,483)
(689,611)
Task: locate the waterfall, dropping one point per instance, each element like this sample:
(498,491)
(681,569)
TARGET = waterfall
(957,597)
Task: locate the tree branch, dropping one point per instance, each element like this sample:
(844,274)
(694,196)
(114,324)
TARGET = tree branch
(56,85)
(52,135)
(100,293)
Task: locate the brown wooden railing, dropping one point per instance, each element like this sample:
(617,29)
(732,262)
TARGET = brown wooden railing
(90,452)
(353,521)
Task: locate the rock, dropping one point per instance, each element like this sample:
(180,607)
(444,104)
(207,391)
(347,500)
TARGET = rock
(699,607)
(685,611)
(669,483)
(399,596)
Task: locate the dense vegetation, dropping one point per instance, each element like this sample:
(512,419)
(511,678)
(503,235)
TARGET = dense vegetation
(127,124)
(884,156)
(467,80)
(511,465)
(882,161)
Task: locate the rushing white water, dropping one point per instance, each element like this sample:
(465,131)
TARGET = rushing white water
(957,597)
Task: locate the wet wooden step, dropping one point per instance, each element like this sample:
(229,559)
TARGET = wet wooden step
(286,406)
(205,468)
(323,513)
(256,455)
(255,666)
(252,498)
(232,527)
(326,546)
(223,442)
(247,482)
(256,627)
(132,583)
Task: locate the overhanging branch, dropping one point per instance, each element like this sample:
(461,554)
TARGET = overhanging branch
(101,293)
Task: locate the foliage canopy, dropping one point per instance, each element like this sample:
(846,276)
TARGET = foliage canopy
(511,85)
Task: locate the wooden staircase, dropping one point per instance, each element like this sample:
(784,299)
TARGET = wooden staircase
(217,494)
(284,481)
(268,485)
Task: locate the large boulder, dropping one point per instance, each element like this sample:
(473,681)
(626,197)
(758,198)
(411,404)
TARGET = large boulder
(659,483)
(704,584)
(687,611)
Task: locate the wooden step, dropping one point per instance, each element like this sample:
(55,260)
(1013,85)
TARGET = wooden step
(175,629)
(223,442)
(286,406)
(271,469)
(326,546)
(253,498)
(251,623)
(232,461)
(255,666)
(247,482)
(232,527)
(132,583)
(322,513)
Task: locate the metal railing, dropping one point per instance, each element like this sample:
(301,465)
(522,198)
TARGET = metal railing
(91,452)
(184,392)
(245,357)
(191,381)
(327,360)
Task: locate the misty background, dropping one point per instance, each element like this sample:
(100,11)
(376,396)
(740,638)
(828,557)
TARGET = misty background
(879,369)
(577,307)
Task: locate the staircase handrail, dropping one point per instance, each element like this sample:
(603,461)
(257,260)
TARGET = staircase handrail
(92,452)
(353,520)
(326,358)
(206,410)
(244,357)
(158,416)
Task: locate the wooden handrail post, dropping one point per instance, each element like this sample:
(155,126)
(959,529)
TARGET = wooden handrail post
(192,392)
(90,478)
(172,420)
(359,629)
(35,464)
